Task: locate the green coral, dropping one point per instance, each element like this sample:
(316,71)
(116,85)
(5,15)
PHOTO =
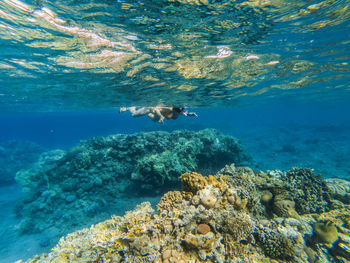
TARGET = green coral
(162,168)
(85,180)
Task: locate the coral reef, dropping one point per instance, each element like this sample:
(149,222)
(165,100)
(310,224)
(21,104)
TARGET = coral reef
(16,155)
(217,219)
(64,188)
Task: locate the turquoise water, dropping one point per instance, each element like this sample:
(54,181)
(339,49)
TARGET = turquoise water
(274,74)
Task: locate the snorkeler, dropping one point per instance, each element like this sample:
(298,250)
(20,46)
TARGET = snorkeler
(158,113)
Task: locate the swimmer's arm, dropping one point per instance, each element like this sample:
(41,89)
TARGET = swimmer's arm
(161,117)
(190,114)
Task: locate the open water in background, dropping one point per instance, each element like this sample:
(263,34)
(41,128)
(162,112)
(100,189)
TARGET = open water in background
(274,74)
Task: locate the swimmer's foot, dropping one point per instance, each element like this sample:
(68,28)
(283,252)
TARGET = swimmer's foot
(122,109)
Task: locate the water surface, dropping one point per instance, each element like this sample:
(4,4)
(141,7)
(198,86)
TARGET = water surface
(59,55)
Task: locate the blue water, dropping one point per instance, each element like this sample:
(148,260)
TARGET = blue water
(275,76)
(277,124)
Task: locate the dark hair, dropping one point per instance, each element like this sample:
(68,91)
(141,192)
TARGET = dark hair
(179,109)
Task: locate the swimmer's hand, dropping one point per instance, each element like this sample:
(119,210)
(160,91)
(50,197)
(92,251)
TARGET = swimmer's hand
(161,120)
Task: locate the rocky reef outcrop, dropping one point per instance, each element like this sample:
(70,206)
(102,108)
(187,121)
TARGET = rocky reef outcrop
(16,155)
(217,219)
(64,188)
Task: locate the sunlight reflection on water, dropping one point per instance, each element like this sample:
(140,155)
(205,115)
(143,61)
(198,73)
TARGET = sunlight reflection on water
(100,54)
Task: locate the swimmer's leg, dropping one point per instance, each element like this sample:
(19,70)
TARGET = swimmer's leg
(140,111)
(122,109)
(136,111)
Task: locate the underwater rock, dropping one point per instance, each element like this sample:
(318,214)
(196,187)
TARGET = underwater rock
(85,180)
(44,242)
(16,155)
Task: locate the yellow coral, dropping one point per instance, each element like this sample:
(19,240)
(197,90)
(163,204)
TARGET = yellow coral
(200,241)
(169,201)
(134,232)
(193,182)
(187,195)
(216,183)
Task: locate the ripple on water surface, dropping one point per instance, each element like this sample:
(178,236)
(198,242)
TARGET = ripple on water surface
(99,54)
